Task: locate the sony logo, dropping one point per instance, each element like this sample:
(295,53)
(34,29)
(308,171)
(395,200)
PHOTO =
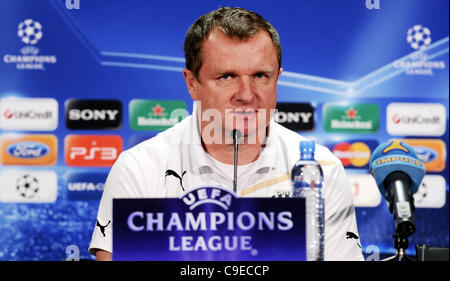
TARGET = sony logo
(93,114)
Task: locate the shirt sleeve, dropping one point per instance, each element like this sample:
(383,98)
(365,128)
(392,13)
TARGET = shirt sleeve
(123,181)
(341,233)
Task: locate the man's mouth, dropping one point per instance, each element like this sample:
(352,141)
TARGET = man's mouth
(246,112)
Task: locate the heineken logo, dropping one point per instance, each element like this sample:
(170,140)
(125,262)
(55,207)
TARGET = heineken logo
(156,115)
(355,118)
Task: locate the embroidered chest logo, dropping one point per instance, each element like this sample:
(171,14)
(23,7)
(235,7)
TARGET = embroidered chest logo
(102,227)
(175,174)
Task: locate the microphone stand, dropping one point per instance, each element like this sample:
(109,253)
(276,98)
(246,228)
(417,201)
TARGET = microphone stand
(400,244)
(236,136)
(404,222)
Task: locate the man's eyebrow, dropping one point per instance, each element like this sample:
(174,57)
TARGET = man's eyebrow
(265,70)
(268,69)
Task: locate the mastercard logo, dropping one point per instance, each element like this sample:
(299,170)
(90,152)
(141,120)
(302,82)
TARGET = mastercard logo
(355,154)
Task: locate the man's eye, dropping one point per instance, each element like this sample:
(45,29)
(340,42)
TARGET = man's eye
(260,75)
(226,77)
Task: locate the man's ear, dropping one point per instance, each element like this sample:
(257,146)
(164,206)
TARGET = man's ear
(279,72)
(191,83)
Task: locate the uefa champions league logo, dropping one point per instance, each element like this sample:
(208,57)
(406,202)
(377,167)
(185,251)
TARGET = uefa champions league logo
(419,37)
(29,31)
(418,63)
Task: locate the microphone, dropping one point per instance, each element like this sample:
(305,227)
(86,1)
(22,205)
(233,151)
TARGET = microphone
(398,173)
(236,134)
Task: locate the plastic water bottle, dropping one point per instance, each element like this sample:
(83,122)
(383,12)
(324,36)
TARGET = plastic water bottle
(307,179)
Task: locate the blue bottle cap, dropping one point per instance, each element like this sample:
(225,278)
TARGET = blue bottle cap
(307,149)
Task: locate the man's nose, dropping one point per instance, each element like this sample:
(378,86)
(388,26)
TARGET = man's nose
(246,91)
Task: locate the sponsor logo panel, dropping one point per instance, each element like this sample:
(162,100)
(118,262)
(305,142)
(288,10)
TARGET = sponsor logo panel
(93,114)
(22,186)
(29,114)
(85,186)
(92,150)
(365,190)
(416,119)
(156,115)
(28,149)
(353,118)
(431,193)
(295,116)
(432,152)
(353,153)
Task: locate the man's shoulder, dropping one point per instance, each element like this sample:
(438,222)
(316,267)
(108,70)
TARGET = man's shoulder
(160,145)
(291,140)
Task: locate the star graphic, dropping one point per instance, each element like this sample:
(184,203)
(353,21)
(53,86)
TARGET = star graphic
(157,110)
(395,145)
(351,113)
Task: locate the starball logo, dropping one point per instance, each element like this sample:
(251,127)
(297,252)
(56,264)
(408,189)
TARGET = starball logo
(28,186)
(419,38)
(30,32)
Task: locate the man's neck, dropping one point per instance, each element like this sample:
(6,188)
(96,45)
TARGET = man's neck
(224,153)
(249,148)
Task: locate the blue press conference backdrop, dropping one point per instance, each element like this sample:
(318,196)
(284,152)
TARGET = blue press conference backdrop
(338,56)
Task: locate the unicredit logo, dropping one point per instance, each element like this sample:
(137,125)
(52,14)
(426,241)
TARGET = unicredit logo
(8,114)
(417,119)
(28,115)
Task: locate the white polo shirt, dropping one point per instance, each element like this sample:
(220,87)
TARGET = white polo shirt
(174,162)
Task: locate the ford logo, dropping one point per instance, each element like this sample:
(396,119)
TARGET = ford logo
(425,154)
(28,149)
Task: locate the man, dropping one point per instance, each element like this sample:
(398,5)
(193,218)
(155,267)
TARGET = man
(233,62)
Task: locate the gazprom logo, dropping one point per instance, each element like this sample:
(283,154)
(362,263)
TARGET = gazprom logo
(28,149)
(404,159)
(208,195)
(426,154)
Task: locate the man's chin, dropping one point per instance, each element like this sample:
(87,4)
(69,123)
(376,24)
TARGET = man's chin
(249,135)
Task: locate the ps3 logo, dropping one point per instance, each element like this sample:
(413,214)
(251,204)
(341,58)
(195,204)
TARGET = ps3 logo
(28,150)
(92,150)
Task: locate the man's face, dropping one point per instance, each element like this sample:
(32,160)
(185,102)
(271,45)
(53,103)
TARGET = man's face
(238,78)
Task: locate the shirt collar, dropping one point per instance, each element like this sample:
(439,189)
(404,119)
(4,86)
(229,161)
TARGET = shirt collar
(196,160)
